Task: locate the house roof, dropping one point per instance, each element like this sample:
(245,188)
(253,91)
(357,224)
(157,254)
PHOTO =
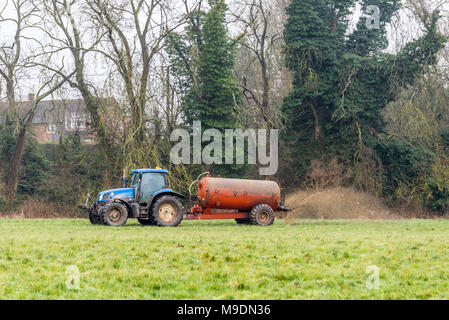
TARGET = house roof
(53,111)
(49,111)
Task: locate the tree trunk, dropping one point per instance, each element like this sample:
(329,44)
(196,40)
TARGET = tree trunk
(14,165)
(92,105)
(266,94)
(98,124)
(11,97)
(317,133)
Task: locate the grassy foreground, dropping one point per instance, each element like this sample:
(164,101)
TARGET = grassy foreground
(222,260)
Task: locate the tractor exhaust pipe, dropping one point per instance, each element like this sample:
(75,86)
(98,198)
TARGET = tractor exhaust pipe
(124,178)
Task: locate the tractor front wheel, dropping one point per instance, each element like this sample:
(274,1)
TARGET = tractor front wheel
(167,211)
(94,219)
(114,214)
(262,215)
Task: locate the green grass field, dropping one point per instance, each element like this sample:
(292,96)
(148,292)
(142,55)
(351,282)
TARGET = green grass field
(222,260)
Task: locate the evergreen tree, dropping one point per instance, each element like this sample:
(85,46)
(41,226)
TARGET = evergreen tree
(203,60)
(214,101)
(34,166)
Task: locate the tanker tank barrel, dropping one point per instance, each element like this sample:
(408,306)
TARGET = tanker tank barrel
(237,194)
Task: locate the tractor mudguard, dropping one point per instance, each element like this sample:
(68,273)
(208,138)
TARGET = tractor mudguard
(170,191)
(162,192)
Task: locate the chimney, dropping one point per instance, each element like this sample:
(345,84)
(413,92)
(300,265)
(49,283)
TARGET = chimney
(31,96)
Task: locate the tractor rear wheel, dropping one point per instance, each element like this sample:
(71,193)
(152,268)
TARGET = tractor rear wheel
(167,211)
(94,219)
(262,215)
(114,214)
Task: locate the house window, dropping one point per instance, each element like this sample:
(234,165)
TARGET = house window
(51,128)
(75,122)
(80,123)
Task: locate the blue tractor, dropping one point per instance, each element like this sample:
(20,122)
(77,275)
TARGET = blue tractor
(148,198)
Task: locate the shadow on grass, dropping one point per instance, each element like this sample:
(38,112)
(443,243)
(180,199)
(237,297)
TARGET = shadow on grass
(323,222)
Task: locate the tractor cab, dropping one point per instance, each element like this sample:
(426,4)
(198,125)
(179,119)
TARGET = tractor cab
(148,182)
(148,198)
(144,184)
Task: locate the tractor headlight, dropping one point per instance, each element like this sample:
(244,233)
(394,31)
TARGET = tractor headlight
(104,196)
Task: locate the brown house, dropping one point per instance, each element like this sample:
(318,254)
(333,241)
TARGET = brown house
(57,119)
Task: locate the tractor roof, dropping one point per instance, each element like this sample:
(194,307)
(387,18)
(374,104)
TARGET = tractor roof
(149,170)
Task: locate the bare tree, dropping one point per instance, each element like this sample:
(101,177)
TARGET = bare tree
(62,25)
(11,53)
(261,70)
(128,37)
(421,111)
(13,59)
(135,32)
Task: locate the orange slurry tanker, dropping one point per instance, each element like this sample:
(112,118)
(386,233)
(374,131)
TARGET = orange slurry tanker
(246,201)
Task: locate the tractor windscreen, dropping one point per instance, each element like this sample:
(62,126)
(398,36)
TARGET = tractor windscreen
(134,180)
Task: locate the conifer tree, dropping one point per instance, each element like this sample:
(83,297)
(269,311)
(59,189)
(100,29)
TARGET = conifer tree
(203,58)
(214,101)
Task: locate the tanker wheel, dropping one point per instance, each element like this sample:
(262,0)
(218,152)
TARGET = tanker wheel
(114,214)
(94,219)
(243,221)
(262,215)
(167,211)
